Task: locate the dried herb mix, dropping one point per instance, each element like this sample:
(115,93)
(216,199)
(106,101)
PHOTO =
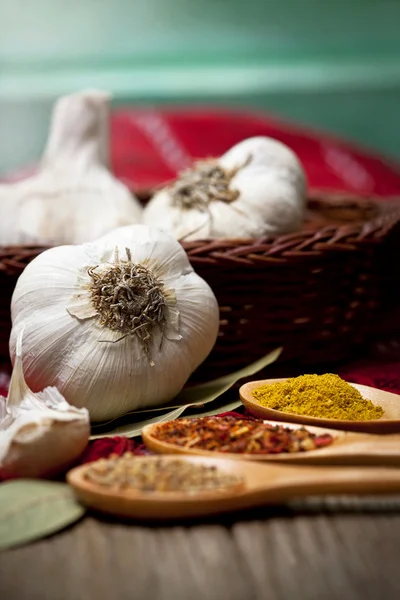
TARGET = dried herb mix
(231,435)
(148,475)
(323,396)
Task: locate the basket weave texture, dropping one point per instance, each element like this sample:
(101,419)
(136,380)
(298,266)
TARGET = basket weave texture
(319,292)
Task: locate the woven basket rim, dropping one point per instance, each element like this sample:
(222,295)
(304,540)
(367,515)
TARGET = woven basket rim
(305,242)
(326,286)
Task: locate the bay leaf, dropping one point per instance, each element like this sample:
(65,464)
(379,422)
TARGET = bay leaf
(221,408)
(131,424)
(31,509)
(133,428)
(207,392)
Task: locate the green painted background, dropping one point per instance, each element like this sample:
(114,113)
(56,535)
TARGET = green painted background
(333,64)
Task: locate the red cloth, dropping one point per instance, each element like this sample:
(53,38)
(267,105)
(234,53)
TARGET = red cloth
(104,447)
(148,148)
(117,445)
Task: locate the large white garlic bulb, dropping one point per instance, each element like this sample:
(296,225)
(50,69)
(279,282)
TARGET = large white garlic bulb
(73,198)
(115,325)
(257,188)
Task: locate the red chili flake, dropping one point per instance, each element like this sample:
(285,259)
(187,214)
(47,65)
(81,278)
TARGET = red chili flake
(228,434)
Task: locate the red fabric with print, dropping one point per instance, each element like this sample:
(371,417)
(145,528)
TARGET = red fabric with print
(149,147)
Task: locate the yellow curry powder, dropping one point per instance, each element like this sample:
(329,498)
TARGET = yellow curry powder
(323,396)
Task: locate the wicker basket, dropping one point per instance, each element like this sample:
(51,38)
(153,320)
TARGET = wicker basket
(319,293)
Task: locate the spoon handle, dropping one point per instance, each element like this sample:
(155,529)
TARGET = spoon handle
(299,481)
(384,448)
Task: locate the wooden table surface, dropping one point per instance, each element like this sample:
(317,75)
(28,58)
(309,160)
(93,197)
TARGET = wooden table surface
(333,549)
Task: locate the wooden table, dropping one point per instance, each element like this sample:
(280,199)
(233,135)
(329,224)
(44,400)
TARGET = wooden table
(344,550)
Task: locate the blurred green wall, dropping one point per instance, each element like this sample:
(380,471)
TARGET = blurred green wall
(333,64)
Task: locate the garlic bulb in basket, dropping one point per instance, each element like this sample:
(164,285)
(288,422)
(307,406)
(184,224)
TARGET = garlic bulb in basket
(116,325)
(40,434)
(73,198)
(257,188)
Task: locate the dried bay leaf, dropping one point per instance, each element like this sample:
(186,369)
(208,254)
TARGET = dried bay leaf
(133,428)
(207,392)
(31,509)
(222,408)
(131,424)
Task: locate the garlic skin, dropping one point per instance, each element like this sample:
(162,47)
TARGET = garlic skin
(268,197)
(73,198)
(139,353)
(40,434)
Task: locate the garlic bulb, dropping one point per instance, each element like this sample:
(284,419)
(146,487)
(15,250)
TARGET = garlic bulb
(40,434)
(257,188)
(73,198)
(116,325)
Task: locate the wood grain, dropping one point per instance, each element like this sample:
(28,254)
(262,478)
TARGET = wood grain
(348,448)
(279,553)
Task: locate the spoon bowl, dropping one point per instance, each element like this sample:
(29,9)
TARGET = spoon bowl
(347,448)
(262,484)
(388,423)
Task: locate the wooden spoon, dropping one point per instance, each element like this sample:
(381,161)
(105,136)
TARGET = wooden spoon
(388,423)
(346,449)
(262,484)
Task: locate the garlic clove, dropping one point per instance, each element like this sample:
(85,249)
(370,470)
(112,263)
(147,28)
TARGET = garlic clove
(35,446)
(18,391)
(40,433)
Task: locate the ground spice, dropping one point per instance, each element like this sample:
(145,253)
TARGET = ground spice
(228,434)
(148,475)
(323,396)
